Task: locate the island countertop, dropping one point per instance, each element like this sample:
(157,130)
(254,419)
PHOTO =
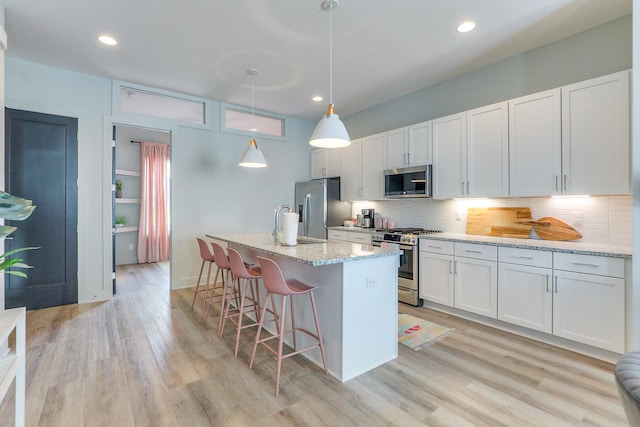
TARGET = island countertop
(321,253)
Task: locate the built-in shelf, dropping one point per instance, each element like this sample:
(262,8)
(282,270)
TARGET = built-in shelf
(127,173)
(123,200)
(12,365)
(126,229)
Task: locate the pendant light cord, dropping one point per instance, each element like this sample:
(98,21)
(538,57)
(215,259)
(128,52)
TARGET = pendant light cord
(253,101)
(331,55)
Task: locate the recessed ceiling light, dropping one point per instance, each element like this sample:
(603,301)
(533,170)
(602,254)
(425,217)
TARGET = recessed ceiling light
(108,40)
(317,98)
(466,26)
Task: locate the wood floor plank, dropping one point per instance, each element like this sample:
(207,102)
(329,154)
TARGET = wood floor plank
(146,358)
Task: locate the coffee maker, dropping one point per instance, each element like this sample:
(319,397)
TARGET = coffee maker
(368,218)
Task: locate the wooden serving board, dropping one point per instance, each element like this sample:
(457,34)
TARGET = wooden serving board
(556,230)
(499,222)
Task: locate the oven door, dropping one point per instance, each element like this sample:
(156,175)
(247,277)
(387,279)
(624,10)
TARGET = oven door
(407,267)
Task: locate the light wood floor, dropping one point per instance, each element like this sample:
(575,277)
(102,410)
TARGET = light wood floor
(146,359)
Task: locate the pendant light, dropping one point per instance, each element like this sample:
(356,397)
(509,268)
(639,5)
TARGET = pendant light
(330,131)
(252,157)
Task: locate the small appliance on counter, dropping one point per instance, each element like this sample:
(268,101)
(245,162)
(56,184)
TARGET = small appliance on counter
(368,218)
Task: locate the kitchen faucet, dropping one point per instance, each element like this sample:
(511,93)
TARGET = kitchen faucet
(276,221)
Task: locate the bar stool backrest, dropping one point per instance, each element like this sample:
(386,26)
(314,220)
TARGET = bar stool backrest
(205,252)
(273,278)
(220,257)
(237,265)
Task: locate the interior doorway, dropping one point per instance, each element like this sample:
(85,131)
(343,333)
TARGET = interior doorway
(128,192)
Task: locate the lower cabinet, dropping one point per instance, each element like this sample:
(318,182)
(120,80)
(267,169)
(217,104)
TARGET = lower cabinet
(459,275)
(349,236)
(524,288)
(573,296)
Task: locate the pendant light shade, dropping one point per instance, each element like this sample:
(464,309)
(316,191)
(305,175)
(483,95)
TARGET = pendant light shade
(252,156)
(330,132)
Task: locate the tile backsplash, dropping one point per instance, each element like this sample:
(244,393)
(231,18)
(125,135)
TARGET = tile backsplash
(598,219)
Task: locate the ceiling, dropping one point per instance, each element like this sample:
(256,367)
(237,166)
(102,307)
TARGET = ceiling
(381,49)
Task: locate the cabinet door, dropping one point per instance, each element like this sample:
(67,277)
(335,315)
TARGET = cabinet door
(535,148)
(364,238)
(524,296)
(318,163)
(449,156)
(350,171)
(595,136)
(589,309)
(436,278)
(397,143)
(373,166)
(420,144)
(488,151)
(476,286)
(332,165)
(338,235)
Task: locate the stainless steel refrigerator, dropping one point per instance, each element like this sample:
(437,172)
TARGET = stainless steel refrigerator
(318,205)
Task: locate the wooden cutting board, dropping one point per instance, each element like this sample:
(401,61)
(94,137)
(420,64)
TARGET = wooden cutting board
(499,222)
(555,230)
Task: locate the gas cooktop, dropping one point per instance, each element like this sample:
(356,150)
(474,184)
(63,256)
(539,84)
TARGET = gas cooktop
(406,235)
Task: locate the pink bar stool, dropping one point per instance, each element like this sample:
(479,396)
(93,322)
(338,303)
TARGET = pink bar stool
(247,303)
(224,267)
(276,285)
(207,257)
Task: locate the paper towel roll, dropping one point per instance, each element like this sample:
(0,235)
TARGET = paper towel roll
(289,229)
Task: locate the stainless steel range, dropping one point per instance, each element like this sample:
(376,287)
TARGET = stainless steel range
(406,239)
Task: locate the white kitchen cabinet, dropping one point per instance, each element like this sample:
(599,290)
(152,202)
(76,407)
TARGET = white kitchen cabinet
(535,148)
(596,136)
(471,153)
(449,156)
(476,278)
(409,146)
(435,271)
(525,295)
(362,168)
(459,275)
(325,163)
(338,235)
(589,300)
(356,237)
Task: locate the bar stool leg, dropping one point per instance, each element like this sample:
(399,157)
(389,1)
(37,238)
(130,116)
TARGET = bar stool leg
(195,294)
(206,304)
(280,343)
(263,313)
(243,292)
(315,318)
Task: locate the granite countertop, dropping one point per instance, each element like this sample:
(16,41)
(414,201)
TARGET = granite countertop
(574,247)
(321,253)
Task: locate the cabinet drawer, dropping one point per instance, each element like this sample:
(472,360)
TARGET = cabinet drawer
(529,257)
(436,246)
(590,264)
(360,238)
(338,235)
(470,250)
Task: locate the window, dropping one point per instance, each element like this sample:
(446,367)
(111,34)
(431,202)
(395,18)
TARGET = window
(153,104)
(240,119)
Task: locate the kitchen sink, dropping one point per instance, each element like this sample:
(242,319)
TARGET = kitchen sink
(310,240)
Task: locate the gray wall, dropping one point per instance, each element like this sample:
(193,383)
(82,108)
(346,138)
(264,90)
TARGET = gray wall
(599,51)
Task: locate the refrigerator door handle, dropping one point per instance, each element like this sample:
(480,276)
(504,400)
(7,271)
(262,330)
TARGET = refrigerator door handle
(305,214)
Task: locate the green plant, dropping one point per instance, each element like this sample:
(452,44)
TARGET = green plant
(15,209)
(121,220)
(118,185)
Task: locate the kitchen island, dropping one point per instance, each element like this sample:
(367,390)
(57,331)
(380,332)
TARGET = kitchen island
(356,297)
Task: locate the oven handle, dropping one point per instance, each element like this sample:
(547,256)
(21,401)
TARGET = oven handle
(407,247)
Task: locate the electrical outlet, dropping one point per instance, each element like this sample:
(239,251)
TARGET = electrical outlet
(130,246)
(458,216)
(577,219)
(372,283)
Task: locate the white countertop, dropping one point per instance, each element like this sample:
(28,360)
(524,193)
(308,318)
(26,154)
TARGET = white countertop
(576,247)
(329,252)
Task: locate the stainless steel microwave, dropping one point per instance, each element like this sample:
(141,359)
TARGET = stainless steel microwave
(407,182)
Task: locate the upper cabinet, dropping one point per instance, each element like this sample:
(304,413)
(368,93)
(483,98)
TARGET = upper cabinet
(362,174)
(409,146)
(596,136)
(325,163)
(535,149)
(572,140)
(471,153)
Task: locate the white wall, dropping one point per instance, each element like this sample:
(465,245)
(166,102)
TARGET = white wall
(209,191)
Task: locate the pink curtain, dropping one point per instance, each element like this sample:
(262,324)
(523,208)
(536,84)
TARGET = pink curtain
(153,231)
